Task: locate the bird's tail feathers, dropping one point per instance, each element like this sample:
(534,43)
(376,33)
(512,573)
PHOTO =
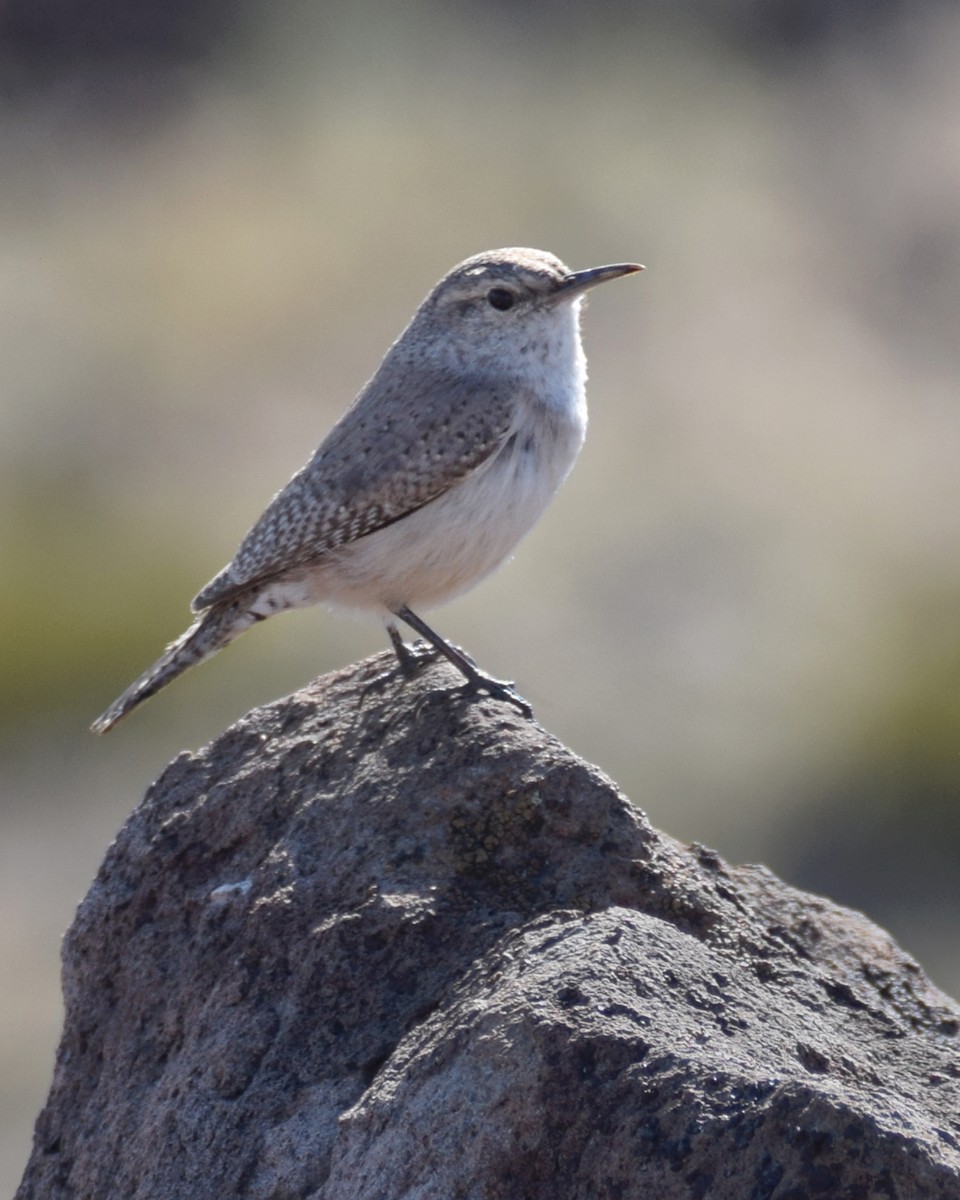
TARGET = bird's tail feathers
(211,631)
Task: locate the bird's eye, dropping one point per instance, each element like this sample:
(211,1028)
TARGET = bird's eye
(501,298)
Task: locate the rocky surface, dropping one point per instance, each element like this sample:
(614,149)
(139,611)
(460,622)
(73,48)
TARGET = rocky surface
(382,940)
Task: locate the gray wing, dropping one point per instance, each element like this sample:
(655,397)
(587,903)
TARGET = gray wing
(387,457)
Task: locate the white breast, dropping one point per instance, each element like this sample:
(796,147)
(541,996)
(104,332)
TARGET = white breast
(444,548)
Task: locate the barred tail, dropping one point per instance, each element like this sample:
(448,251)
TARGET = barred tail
(211,631)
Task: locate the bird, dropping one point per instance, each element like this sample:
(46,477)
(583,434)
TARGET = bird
(445,460)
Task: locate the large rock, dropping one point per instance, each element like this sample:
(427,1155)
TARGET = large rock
(381,940)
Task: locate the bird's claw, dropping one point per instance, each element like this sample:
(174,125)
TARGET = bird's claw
(500,689)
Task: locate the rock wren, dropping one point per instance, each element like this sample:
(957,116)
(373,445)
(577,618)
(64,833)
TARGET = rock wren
(444,461)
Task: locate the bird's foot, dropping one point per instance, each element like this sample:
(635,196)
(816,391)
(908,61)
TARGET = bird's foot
(410,660)
(477,680)
(499,689)
(412,657)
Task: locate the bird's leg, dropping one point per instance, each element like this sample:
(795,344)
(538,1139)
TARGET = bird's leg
(411,658)
(476,679)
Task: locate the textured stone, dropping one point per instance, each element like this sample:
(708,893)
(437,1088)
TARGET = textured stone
(380,940)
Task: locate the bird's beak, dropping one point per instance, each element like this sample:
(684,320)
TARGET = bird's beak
(579,281)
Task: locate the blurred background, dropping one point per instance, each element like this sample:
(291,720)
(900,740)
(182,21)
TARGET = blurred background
(744,604)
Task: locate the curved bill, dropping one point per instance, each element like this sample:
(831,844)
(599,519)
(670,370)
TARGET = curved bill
(580,281)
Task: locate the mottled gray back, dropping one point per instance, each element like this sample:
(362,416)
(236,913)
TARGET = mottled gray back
(382,461)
